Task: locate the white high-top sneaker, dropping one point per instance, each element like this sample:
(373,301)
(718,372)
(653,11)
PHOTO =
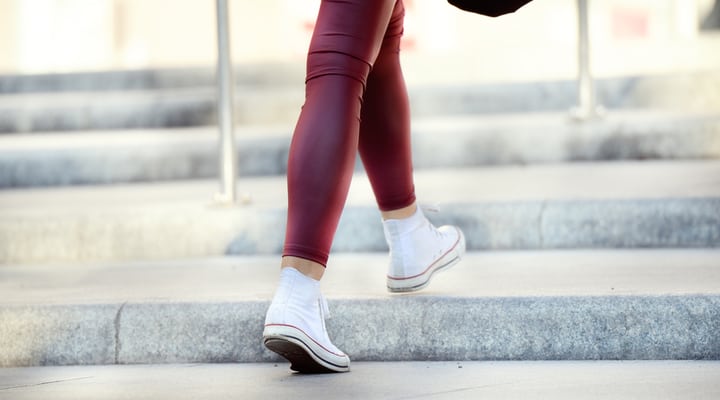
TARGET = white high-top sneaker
(295,326)
(418,250)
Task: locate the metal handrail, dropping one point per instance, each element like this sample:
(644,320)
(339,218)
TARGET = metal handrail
(225,109)
(587,107)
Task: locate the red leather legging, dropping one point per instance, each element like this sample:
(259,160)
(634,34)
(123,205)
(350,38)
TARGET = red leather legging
(355,99)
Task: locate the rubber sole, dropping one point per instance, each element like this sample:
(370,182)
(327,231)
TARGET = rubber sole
(301,357)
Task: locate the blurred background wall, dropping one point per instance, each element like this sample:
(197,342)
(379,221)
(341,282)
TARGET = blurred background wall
(628,37)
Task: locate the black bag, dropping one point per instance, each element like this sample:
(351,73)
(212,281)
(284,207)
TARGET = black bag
(491,8)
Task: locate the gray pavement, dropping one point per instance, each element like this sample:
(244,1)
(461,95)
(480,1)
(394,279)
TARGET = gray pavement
(568,305)
(388,380)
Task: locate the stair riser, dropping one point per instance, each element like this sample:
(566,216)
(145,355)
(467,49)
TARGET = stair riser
(156,234)
(399,328)
(473,144)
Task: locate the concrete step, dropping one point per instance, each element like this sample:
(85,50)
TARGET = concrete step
(149,100)
(581,205)
(135,99)
(261,74)
(532,305)
(636,380)
(185,107)
(452,141)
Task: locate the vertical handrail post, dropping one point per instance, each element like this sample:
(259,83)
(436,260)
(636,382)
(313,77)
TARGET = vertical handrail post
(225,108)
(587,104)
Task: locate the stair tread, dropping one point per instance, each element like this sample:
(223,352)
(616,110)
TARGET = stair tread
(359,276)
(577,181)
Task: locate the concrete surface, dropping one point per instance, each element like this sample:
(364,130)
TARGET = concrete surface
(149,79)
(101,157)
(274,93)
(595,205)
(656,380)
(491,274)
(567,305)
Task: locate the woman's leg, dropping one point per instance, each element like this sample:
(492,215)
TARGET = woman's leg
(345,44)
(384,145)
(417,248)
(346,41)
